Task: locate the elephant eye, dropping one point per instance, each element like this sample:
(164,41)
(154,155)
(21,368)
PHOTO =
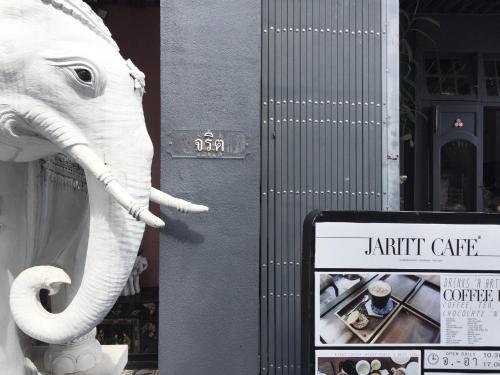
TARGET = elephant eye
(81,74)
(84,75)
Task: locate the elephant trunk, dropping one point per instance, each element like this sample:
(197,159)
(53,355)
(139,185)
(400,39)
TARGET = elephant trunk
(113,243)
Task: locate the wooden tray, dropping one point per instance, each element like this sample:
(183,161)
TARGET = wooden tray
(408,327)
(427,300)
(375,324)
(402,285)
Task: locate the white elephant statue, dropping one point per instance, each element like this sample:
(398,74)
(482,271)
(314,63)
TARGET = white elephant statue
(75,174)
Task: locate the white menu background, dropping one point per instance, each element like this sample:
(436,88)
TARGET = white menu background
(350,241)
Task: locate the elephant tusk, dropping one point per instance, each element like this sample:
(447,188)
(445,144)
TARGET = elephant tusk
(74,143)
(181,205)
(138,211)
(91,162)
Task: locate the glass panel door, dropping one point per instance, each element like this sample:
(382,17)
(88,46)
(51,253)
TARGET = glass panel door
(458,176)
(457,164)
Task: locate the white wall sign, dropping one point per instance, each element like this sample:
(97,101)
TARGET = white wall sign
(401,293)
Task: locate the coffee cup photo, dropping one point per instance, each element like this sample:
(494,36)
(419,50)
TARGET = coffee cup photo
(390,308)
(380,292)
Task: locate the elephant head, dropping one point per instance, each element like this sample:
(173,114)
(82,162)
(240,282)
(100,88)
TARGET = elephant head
(65,88)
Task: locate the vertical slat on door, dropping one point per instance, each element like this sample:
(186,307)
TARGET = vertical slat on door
(323,116)
(352,104)
(320,119)
(295,339)
(271,196)
(346,105)
(335,106)
(309,94)
(340,104)
(371,101)
(303,169)
(359,104)
(328,103)
(290,187)
(264,248)
(364,101)
(278,141)
(316,147)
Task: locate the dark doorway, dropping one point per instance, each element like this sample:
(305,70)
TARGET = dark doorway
(451,89)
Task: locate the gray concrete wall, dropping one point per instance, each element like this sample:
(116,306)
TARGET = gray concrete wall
(209,266)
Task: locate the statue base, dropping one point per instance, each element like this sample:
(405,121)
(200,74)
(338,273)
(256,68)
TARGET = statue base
(113,361)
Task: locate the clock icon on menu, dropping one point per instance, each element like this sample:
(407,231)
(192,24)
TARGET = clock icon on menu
(433,359)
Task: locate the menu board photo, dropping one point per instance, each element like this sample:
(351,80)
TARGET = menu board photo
(401,293)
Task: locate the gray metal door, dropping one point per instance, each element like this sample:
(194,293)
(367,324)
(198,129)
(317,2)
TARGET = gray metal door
(330,140)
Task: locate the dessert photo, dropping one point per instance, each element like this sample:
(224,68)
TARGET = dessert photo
(395,364)
(379,309)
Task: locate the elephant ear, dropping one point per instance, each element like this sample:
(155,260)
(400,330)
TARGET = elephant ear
(18,142)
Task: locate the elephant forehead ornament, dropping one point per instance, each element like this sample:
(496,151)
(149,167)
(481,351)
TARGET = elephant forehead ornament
(65,88)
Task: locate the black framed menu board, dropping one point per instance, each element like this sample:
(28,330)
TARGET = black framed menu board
(401,293)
